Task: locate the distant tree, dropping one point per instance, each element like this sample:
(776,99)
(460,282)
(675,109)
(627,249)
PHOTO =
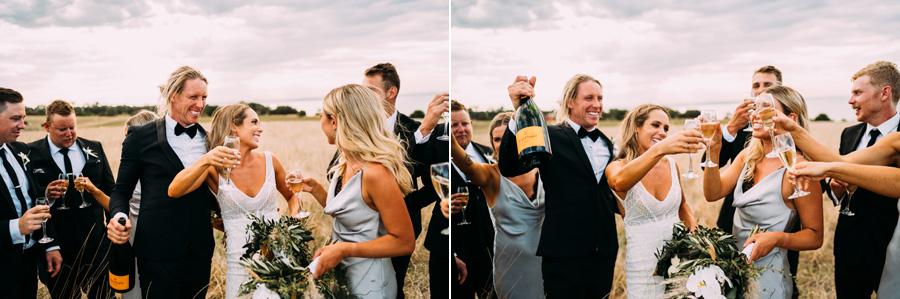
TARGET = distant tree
(822,117)
(302,113)
(417,114)
(259,108)
(691,114)
(616,114)
(282,110)
(208,111)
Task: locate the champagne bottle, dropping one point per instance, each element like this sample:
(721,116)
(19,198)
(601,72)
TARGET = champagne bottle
(121,266)
(532,140)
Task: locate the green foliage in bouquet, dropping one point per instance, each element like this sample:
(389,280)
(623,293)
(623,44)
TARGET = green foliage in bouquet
(698,250)
(278,254)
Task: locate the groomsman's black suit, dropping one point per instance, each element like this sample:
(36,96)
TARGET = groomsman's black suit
(174,241)
(18,277)
(81,232)
(578,240)
(474,243)
(860,241)
(437,244)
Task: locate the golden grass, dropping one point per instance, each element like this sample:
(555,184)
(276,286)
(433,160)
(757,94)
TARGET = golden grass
(815,276)
(297,143)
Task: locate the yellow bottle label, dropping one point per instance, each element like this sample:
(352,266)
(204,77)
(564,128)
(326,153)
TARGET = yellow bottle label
(118,282)
(528,137)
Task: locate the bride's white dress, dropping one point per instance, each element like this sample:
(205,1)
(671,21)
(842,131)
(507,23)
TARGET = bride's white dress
(648,225)
(236,207)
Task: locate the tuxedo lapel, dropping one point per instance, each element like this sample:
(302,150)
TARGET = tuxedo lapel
(578,147)
(7,199)
(42,156)
(164,144)
(18,152)
(849,145)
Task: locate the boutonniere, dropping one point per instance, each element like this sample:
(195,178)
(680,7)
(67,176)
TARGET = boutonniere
(25,159)
(90,152)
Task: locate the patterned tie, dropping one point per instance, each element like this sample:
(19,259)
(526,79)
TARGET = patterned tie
(15,180)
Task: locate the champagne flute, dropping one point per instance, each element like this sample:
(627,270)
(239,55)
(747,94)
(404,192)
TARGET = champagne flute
(787,152)
(79,185)
(440,178)
(848,194)
(691,124)
(47,202)
(65,177)
(232,142)
(295,182)
(446,135)
(463,190)
(765,105)
(749,127)
(708,125)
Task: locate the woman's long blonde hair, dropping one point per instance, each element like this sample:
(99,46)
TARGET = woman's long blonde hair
(791,102)
(222,121)
(361,135)
(629,148)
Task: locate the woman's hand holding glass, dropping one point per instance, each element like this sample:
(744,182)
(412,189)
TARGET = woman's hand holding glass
(223,158)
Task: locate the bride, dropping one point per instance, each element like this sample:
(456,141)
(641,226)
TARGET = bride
(257,182)
(647,180)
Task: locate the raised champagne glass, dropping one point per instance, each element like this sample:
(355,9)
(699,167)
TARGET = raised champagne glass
(232,142)
(708,125)
(295,182)
(440,178)
(446,135)
(787,152)
(752,97)
(848,193)
(41,201)
(691,124)
(66,178)
(765,105)
(79,185)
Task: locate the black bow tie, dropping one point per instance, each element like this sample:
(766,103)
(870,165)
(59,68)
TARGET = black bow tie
(592,134)
(191,130)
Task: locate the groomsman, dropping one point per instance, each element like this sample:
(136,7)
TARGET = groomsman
(79,231)
(474,242)
(860,241)
(174,245)
(19,247)
(578,241)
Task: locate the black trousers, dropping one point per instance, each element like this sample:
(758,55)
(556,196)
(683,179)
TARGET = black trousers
(174,279)
(578,277)
(480,279)
(19,277)
(87,273)
(859,254)
(400,263)
(438,268)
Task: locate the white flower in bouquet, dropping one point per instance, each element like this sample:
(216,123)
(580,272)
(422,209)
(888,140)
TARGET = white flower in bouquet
(262,292)
(705,282)
(675,267)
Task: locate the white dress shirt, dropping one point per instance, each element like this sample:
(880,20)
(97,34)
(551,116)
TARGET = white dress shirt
(596,151)
(76,156)
(392,121)
(14,233)
(885,128)
(188,149)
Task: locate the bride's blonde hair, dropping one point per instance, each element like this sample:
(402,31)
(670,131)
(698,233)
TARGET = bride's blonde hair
(361,135)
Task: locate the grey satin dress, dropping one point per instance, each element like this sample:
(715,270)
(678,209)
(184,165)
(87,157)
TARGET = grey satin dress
(517,230)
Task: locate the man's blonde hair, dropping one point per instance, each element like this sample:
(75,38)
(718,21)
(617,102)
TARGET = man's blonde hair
(570,92)
(175,85)
(882,73)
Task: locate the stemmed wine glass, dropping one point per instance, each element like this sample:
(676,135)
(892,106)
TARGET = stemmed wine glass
(295,182)
(749,127)
(848,194)
(446,135)
(691,124)
(48,202)
(66,178)
(765,105)
(232,142)
(708,125)
(787,152)
(463,190)
(79,185)
(440,178)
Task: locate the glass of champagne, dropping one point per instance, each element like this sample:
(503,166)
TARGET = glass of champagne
(691,124)
(708,125)
(79,185)
(787,152)
(752,98)
(66,178)
(446,135)
(765,105)
(295,182)
(440,178)
(462,190)
(44,201)
(232,142)
(848,194)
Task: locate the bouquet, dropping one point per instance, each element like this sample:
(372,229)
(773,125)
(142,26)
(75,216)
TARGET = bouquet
(705,264)
(277,257)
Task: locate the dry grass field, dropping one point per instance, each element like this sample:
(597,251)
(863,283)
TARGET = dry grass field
(815,277)
(297,143)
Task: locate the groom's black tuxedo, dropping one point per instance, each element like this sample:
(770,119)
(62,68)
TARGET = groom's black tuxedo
(174,241)
(578,240)
(18,279)
(81,232)
(860,241)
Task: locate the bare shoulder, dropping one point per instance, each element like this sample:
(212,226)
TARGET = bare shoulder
(376,172)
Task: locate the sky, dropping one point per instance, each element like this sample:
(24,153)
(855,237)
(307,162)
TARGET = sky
(681,54)
(273,52)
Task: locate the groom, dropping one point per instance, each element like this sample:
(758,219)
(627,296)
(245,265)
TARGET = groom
(174,243)
(578,240)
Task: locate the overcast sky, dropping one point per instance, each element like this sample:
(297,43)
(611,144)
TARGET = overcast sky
(682,54)
(278,52)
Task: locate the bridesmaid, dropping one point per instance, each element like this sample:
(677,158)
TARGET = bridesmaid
(517,207)
(761,192)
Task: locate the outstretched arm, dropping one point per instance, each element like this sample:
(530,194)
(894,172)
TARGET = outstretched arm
(480,174)
(624,175)
(280,184)
(189,179)
(884,180)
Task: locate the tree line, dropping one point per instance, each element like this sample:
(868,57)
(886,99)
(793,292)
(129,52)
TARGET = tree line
(111,110)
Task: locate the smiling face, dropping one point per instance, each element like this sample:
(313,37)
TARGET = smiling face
(250,131)
(587,107)
(761,81)
(12,122)
(867,100)
(655,129)
(461,127)
(61,130)
(188,105)
(759,131)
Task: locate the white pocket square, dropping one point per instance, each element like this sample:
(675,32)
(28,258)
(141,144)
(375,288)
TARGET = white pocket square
(39,170)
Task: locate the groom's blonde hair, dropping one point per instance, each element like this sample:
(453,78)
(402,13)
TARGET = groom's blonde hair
(361,135)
